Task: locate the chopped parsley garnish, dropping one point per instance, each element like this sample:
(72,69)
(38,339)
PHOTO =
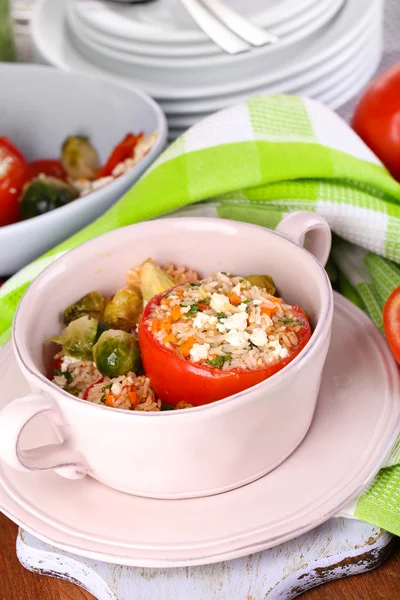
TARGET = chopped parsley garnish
(196,283)
(219,361)
(206,301)
(166,406)
(68,376)
(221,315)
(194,309)
(103,398)
(106,387)
(288,321)
(247,301)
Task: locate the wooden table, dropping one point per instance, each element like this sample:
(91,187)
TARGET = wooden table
(16,583)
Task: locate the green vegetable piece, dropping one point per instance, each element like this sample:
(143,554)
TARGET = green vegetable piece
(219,361)
(79,158)
(264,282)
(194,309)
(124,310)
(116,353)
(288,321)
(78,337)
(92,304)
(43,194)
(167,406)
(153,280)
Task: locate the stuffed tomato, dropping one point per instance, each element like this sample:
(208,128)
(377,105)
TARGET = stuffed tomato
(203,341)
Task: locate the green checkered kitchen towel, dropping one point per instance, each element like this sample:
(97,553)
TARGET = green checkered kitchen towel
(256,162)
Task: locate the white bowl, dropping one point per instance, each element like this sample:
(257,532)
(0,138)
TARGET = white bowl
(39,108)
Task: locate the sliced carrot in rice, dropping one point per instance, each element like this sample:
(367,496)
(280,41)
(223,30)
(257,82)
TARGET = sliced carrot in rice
(265,310)
(275,299)
(111,399)
(155,325)
(187,346)
(170,338)
(165,325)
(234,299)
(176,313)
(133,398)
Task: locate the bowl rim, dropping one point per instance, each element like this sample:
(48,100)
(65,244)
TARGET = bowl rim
(121,181)
(317,339)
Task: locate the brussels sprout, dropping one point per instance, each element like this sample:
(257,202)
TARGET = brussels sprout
(78,337)
(263,281)
(91,304)
(124,310)
(116,353)
(43,194)
(79,158)
(153,280)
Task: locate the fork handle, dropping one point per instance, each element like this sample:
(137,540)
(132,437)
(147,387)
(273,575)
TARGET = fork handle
(219,33)
(239,24)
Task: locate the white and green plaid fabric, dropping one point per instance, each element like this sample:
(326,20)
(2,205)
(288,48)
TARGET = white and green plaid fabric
(256,162)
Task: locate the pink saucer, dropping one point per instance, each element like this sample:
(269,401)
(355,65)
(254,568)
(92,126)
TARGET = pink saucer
(354,427)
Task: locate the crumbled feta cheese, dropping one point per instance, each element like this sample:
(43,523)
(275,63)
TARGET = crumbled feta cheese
(66,362)
(242,307)
(220,303)
(212,320)
(237,321)
(237,338)
(184,310)
(116,388)
(200,320)
(257,302)
(258,337)
(279,351)
(199,351)
(221,328)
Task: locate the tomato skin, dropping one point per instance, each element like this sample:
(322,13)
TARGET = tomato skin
(391,322)
(50,168)
(6,143)
(377,119)
(174,379)
(16,173)
(121,152)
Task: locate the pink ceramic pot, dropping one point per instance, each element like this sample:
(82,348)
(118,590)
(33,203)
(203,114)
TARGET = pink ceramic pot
(194,452)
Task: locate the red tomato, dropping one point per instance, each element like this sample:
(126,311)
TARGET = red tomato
(391,322)
(120,153)
(51,168)
(174,379)
(377,119)
(16,151)
(14,173)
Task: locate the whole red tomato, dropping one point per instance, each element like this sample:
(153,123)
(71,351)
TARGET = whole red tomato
(377,119)
(391,322)
(14,173)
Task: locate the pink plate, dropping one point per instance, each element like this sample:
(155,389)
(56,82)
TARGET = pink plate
(355,424)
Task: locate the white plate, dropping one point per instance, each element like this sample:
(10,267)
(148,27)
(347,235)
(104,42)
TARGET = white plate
(167,20)
(216,68)
(52,46)
(355,425)
(357,52)
(101,42)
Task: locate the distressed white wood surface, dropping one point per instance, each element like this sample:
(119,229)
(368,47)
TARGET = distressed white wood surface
(339,548)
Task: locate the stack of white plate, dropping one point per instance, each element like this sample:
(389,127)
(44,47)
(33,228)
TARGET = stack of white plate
(327,49)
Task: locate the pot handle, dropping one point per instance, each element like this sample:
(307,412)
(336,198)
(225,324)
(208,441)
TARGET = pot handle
(308,230)
(62,458)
